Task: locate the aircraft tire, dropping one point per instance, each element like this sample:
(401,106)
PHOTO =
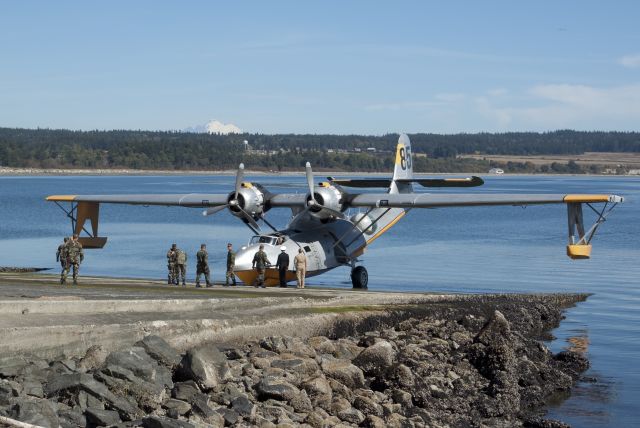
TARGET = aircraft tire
(360,278)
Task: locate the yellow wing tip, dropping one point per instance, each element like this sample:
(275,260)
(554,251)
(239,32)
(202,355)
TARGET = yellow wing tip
(61,198)
(593,198)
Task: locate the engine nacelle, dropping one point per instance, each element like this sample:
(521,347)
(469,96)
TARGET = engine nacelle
(364,223)
(250,199)
(329,202)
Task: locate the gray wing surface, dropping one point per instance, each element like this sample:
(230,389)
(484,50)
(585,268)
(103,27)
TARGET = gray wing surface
(295,200)
(424,200)
(288,200)
(194,200)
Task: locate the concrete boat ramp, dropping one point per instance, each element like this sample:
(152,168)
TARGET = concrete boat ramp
(40,317)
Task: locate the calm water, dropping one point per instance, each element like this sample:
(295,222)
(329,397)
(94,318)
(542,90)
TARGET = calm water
(488,249)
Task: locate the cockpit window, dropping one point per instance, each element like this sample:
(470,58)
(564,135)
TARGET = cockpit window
(261,239)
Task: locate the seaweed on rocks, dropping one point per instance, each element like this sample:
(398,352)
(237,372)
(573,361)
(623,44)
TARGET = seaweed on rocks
(469,361)
(13,269)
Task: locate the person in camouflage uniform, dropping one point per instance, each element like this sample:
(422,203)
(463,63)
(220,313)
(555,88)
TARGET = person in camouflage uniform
(74,257)
(181,267)
(61,255)
(172,258)
(202,266)
(260,263)
(231,263)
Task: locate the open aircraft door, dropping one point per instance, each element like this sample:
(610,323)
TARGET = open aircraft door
(315,255)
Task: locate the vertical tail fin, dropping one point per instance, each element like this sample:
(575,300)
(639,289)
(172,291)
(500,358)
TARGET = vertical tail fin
(403,168)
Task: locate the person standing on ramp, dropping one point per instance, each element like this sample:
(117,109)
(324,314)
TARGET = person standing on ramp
(300,263)
(74,257)
(260,263)
(202,266)
(61,256)
(282,264)
(181,267)
(231,262)
(171,264)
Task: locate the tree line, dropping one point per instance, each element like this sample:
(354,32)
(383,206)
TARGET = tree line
(47,148)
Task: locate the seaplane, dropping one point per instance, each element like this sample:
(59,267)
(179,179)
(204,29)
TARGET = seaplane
(323,222)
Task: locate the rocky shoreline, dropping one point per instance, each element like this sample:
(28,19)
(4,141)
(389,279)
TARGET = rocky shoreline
(464,362)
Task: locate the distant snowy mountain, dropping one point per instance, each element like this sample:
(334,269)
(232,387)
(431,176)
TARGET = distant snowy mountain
(215,127)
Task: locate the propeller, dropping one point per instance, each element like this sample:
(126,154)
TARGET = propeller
(239,176)
(310,183)
(313,203)
(248,218)
(210,211)
(233,202)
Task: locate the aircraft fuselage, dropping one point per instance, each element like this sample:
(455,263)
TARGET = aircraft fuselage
(326,245)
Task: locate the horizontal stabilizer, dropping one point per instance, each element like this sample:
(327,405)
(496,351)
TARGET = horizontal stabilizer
(449,182)
(362,182)
(424,182)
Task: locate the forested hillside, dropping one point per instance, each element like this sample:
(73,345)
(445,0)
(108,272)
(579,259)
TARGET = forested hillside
(45,148)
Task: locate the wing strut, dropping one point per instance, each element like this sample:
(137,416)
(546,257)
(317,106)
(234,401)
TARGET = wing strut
(353,226)
(579,246)
(79,213)
(373,223)
(264,219)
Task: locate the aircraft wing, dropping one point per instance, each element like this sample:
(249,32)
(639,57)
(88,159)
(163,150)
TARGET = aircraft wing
(193,200)
(288,200)
(401,200)
(426,200)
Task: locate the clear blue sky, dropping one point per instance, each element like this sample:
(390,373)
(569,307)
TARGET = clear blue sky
(322,67)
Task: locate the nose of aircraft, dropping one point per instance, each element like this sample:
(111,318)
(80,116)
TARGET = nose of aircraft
(243,268)
(244,261)
(244,257)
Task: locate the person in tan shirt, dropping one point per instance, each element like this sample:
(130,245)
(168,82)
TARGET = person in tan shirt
(300,263)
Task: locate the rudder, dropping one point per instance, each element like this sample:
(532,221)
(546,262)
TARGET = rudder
(403,168)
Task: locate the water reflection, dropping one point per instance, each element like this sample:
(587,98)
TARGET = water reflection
(579,343)
(588,403)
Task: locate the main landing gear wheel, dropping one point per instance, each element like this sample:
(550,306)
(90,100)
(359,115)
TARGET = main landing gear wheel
(359,277)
